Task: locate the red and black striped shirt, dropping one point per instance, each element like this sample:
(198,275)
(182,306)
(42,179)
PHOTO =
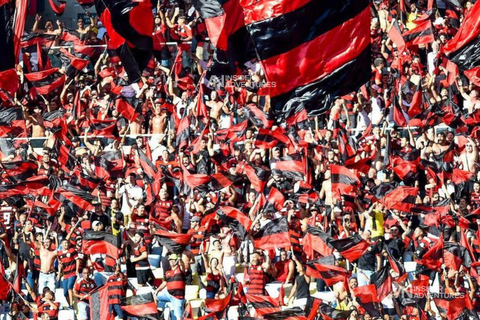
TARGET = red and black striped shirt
(68,259)
(116,289)
(176,283)
(142,264)
(84,286)
(256,284)
(197,238)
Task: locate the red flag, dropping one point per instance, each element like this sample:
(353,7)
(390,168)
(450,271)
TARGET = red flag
(469,30)
(9,83)
(396,36)
(402,198)
(276,198)
(57,8)
(473,75)
(421,34)
(366,294)
(20,17)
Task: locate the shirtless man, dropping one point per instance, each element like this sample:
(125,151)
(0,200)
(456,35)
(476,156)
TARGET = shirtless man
(469,157)
(36,121)
(47,271)
(441,144)
(326,191)
(215,105)
(136,126)
(48,27)
(81,24)
(471,100)
(158,123)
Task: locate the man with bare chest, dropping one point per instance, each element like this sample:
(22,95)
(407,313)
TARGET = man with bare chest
(48,254)
(158,123)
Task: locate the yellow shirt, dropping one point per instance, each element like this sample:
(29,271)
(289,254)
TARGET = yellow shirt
(377,229)
(410,18)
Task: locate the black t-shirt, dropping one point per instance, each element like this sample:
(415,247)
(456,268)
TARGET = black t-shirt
(368,260)
(203,164)
(396,247)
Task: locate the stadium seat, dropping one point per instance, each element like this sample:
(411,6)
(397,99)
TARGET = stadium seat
(66,315)
(191,292)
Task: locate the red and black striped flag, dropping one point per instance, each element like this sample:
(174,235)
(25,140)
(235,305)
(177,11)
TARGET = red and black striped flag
(433,258)
(12,123)
(66,159)
(234,133)
(275,200)
(421,34)
(43,61)
(295,313)
(104,128)
(183,133)
(109,164)
(464,49)
(396,36)
(129,26)
(101,242)
(329,273)
(456,308)
(221,180)
(46,81)
(329,313)
(175,242)
(129,108)
(257,116)
(85,181)
(235,220)
(316,240)
(147,164)
(273,235)
(29,42)
(257,175)
(401,198)
(291,168)
(73,65)
(18,171)
(226,30)
(289,53)
(58,8)
(141,306)
(266,138)
(350,248)
(263,304)
(343,181)
(7,35)
(76,199)
(218,306)
(80,48)
(366,297)
(383,282)
(98,301)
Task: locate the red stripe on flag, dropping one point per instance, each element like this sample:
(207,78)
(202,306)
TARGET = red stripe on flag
(289,71)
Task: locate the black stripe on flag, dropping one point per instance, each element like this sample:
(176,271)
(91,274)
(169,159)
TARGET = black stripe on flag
(286,32)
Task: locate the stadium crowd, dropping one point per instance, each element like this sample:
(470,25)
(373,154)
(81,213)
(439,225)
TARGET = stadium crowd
(186,192)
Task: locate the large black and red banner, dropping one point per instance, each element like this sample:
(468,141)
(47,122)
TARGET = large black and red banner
(287,36)
(129,26)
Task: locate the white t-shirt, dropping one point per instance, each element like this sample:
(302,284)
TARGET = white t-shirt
(130,197)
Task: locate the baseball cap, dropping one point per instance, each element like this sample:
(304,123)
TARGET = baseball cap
(173,256)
